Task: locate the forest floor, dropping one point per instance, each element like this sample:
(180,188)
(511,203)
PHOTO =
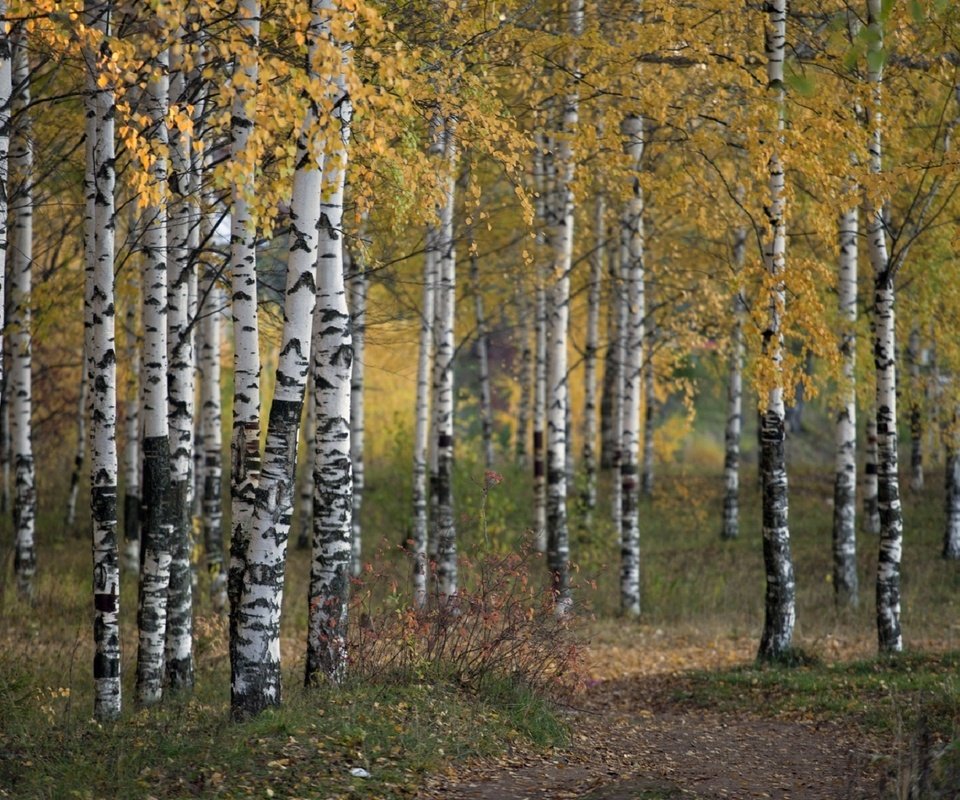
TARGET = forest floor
(681,716)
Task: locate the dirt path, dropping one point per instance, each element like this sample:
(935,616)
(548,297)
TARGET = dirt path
(635,741)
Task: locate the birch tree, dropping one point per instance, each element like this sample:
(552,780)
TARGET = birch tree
(780,605)
(131,449)
(21,346)
(591,348)
(871,508)
(734,426)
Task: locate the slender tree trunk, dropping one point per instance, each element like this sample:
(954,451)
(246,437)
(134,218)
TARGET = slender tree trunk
(734,427)
(131,450)
(332,467)
(255,651)
(70,517)
(245,439)
(6,96)
(155,543)
(633,336)
(422,425)
(358,319)
(916,411)
(884,356)
(21,265)
(103,450)
(179,647)
(951,533)
(445,396)
(845,582)
(621,306)
(589,496)
(483,361)
(780,606)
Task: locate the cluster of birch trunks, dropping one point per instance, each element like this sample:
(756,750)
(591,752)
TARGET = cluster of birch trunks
(191,277)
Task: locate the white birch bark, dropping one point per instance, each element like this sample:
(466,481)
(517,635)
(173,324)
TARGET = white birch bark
(734,425)
(245,438)
(780,605)
(871,508)
(357,286)
(845,581)
(889,635)
(446,534)
(103,442)
(179,647)
(633,338)
(620,303)
(589,496)
(6,92)
(422,425)
(156,534)
(21,265)
(332,467)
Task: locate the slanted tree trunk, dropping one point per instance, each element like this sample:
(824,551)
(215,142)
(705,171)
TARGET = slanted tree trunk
(21,268)
(780,606)
(332,468)
(155,542)
(845,582)
(245,439)
(633,336)
(358,320)
(588,498)
(179,644)
(916,411)
(884,356)
(100,104)
(734,426)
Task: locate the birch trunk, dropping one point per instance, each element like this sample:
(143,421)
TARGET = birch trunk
(6,93)
(483,361)
(884,355)
(332,466)
(245,438)
(589,496)
(916,412)
(445,397)
(780,605)
(649,412)
(103,448)
(845,581)
(633,337)
(422,425)
(621,305)
(155,544)
(179,649)
(21,265)
(255,650)
(734,427)
(358,319)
